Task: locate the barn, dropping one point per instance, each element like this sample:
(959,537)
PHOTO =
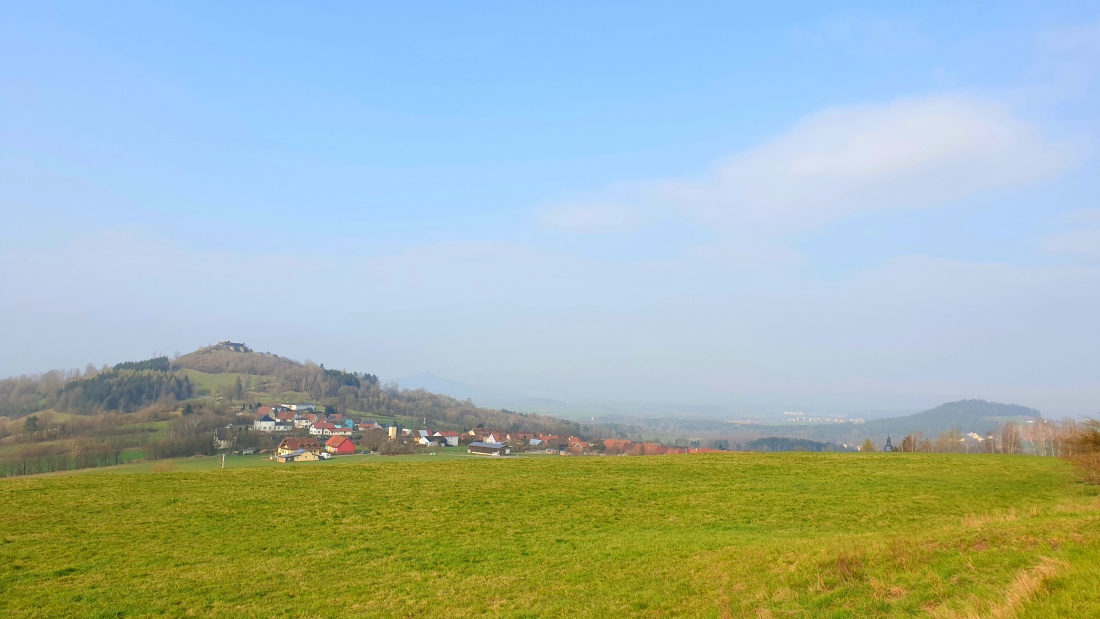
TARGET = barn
(489,449)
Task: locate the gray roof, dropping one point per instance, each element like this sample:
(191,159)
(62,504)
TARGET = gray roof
(489,445)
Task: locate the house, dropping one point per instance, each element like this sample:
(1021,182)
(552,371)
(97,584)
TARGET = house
(301,422)
(369,424)
(283,426)
(299,455)
(264,424)
(321,429)
(556,442)
(291,444)
(340,445)
(299,407)
(338,431)
(489,449)
(263,410)
(223,438)
(450,436)
(429,441)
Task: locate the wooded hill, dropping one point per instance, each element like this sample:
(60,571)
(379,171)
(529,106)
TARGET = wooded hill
(164,383)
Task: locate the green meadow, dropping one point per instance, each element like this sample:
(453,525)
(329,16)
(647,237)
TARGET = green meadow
(724,535)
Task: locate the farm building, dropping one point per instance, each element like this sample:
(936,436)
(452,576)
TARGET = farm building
(489,449)
(340,445)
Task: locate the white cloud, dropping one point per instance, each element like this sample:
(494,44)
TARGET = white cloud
(590,218)
(1081,242)
(911,153)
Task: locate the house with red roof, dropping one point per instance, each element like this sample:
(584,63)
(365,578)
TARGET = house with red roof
(340,446)
(618,445)
(321,429)
(448,435)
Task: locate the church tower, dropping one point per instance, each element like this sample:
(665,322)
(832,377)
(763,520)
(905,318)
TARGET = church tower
(889,446)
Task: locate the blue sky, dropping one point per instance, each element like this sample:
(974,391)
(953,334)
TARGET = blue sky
(838,206)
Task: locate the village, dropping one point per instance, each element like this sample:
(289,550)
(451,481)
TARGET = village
(297,432)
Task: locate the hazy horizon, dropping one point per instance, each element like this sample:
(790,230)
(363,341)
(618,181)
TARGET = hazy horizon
(782,206)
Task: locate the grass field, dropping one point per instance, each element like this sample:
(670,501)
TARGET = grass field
(728,535)
(207,384)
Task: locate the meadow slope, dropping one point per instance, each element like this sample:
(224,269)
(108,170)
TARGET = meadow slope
(725,535)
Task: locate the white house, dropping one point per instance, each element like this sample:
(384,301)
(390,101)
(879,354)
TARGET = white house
(301,422)
(264,424)
(450,436)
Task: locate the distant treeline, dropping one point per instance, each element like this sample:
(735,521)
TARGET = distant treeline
(777,443)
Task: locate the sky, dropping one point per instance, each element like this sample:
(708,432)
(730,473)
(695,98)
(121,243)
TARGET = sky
(767,207)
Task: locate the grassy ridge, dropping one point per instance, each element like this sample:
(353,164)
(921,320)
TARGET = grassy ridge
(807,535)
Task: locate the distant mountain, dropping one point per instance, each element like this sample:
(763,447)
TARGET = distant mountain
(965,415)
(456,389)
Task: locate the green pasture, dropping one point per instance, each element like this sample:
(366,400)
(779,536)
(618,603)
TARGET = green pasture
(209,384)
(722,535)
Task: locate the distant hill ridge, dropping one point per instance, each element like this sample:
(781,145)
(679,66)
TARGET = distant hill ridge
(965,415)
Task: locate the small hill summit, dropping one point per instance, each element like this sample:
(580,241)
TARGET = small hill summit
(233,357)
(232,346)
